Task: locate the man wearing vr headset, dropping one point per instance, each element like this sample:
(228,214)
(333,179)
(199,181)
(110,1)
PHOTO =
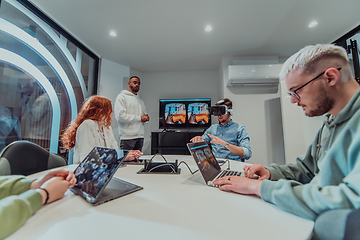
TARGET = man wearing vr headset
(228,139)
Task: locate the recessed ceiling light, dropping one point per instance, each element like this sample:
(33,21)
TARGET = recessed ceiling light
(313,24)
(113,34)
(208,28)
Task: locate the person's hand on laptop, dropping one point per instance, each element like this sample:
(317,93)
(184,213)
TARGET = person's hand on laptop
(238,184)
(251,170)
(133,156)
(197,139)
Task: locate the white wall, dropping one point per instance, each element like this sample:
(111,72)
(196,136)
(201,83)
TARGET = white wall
(261,115)
(112,78)
(259,110)
(188,84)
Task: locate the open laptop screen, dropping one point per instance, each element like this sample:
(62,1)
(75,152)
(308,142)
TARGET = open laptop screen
(205,160)
(96,170)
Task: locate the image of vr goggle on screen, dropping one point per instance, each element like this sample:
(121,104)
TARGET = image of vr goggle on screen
(220,110)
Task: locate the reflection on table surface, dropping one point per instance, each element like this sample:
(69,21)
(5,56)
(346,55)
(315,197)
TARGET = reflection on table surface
(171,206)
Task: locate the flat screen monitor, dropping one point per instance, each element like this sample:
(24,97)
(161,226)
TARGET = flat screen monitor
(184,113)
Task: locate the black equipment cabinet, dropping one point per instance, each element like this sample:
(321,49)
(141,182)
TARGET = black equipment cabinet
(171,142)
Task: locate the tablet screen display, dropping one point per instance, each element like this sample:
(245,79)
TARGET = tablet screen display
(96,170)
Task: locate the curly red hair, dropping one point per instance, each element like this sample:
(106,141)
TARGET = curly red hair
(97,108)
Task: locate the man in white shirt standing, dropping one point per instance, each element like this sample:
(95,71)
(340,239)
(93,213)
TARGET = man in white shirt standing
(131,116)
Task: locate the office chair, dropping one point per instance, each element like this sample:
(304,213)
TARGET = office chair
(25,158)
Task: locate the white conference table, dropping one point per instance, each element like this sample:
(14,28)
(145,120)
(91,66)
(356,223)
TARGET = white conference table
(169,207)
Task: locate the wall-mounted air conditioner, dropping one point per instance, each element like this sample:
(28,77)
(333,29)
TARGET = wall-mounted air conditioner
(253,75)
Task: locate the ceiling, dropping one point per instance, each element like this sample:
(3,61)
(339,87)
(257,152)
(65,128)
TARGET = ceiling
(169,35)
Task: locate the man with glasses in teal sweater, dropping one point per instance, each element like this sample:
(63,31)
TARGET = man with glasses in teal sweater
(327,176)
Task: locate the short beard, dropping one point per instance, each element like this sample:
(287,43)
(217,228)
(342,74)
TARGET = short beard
(135,90)
(224,119)
(324,105)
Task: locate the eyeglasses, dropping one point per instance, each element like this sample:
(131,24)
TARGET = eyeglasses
(295,95)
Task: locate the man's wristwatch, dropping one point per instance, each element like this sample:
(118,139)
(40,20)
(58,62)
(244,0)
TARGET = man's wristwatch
(226,145)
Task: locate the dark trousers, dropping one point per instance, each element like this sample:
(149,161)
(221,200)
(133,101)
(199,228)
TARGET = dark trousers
(132,144)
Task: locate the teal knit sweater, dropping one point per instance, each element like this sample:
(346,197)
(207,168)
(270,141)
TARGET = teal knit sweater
(327,176)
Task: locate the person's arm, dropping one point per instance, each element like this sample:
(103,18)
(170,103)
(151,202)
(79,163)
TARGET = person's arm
(17,203)
(237,150)
(243,141)
(241,149)
(330,189)
(20,198)
(303,170)
(208,131)
(144,115)
(120,111)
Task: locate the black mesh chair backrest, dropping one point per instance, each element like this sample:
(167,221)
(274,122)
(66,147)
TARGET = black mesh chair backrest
(27,158)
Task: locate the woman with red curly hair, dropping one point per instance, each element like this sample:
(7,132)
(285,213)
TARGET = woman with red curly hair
(92,127)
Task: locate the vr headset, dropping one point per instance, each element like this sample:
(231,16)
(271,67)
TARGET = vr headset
(220,110)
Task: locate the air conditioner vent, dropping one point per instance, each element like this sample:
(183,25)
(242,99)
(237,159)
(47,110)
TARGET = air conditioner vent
(253,75)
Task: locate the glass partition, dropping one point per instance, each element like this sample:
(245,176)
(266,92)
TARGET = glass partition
(45,75)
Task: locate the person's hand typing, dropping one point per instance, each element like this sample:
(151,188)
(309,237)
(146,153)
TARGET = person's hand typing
(238,184)
(257,169)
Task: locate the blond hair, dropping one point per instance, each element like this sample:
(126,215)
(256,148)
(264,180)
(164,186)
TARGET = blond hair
(310,57)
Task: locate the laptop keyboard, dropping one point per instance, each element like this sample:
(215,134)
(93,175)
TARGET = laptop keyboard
(229,173)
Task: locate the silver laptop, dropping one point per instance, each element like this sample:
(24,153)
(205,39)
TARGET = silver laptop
(95,181)
(207,163)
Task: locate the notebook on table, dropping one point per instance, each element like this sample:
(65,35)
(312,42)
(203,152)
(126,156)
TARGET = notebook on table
(94,175)
(207,163)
